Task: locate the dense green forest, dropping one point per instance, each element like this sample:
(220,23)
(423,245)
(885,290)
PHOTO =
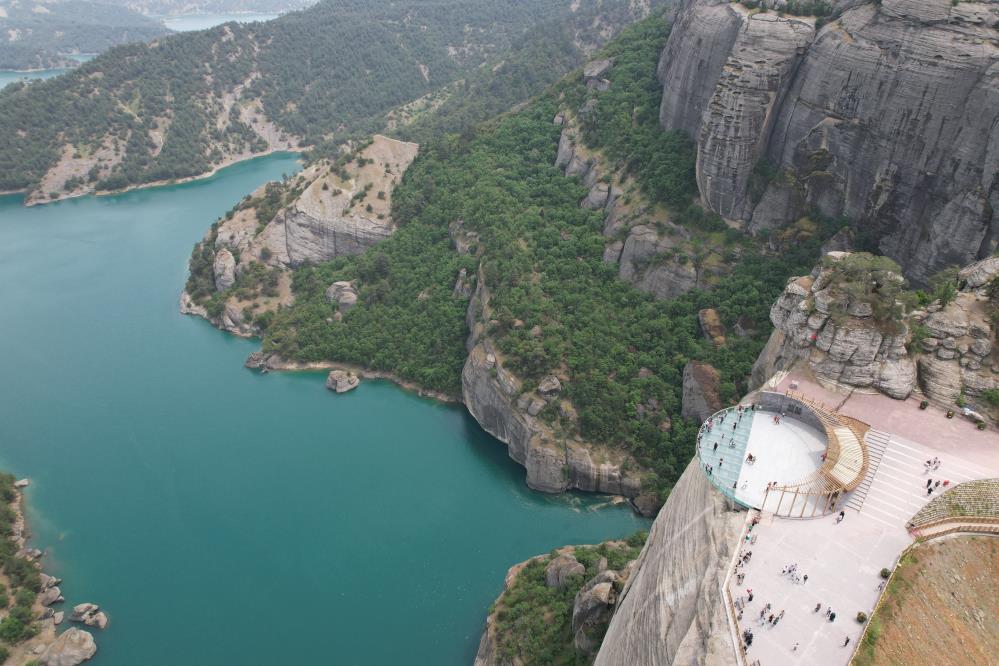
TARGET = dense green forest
(32,39)
(322,75)
(541,259)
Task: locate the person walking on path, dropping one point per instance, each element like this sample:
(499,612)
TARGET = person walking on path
(818,607)
(828,611)
(805,579)
(795,648)
(846,642)
(715,447)
(832,617)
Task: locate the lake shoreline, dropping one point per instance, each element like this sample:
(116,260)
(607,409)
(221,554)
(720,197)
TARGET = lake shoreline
(275,363)
(29,203)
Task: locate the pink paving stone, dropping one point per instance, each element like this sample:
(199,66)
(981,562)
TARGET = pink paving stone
(843,560)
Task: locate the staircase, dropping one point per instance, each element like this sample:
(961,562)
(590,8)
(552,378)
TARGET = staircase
(877,442)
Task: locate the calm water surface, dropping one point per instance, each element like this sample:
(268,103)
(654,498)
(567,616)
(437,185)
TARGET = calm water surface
(204,21)
(226,517)
(9,76)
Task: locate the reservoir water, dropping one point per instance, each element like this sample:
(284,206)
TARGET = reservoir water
(189,22)
(227,517)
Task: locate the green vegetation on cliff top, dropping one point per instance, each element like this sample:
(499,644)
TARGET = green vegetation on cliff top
(541,258)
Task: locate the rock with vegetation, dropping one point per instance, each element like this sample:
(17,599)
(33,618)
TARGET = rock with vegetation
(852,322)
(793,113)
(848,319)
(535,622)
(561,568)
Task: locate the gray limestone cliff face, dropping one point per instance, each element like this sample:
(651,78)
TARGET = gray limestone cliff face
(955,354)
(671,611)
(888,115)
(849,350)
(317,238)
(496,398)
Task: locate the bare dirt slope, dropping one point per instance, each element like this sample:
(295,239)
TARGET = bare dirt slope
(942,607)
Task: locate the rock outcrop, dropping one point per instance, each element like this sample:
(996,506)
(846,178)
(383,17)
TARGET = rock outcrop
(329,210)
(592,609)
(342,381)
(886,114)
(701,383)
(74,646)
(90,615)
(671,610)
(559,570)
(225,269)
(951,355)
(849,348)
(554,461)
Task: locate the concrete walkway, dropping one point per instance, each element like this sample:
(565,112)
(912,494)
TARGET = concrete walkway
(843,560)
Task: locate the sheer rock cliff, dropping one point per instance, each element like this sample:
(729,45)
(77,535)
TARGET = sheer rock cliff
(672,611)
(887,114)
(511,411)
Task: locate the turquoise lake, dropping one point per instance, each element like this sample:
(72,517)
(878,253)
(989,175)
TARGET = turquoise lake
(227,517)
(189,22)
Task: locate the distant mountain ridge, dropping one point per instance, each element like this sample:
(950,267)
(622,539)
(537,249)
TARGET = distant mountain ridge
(40,35)
(183,105)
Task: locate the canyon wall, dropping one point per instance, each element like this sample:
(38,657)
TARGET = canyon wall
(886,113)
(672,610)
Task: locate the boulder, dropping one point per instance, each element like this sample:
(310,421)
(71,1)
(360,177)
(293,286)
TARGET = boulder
(595,69)
(342,294)
(71,648)
(701,384)
(711,326)
(342,381)
(592,607)
(22,483)
(561,567)
(58,617)
(51,595)
(549,386)
(980,273)
(224,269)
(90,615)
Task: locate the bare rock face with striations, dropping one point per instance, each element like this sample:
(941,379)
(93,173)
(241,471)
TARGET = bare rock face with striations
(953,355)
(671,611)
(887,115)
(327,221)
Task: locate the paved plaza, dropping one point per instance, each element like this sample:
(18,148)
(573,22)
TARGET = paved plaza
(843,559)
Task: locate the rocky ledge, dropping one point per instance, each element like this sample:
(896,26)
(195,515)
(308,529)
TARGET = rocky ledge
(943,350)
(555,461)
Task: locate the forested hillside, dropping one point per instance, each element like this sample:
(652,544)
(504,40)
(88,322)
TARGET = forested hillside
(183,104)
(179,7)
(556,305)
(40,35)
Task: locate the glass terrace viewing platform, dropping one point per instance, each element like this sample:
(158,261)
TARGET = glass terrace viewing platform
(783,454)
